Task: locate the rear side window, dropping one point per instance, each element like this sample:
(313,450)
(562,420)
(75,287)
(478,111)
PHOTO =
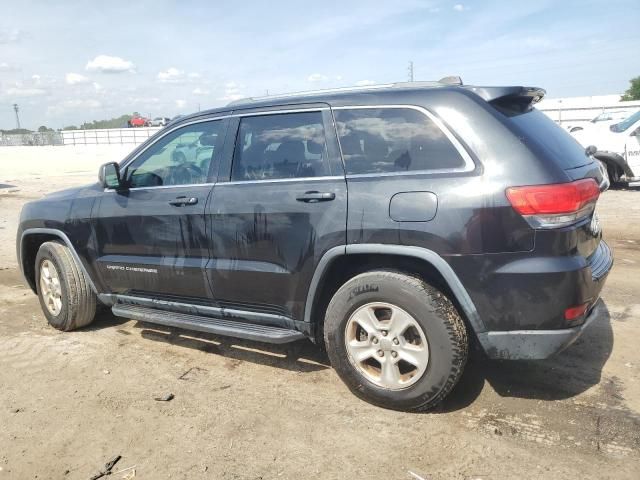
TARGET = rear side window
(378,140)
(289,145)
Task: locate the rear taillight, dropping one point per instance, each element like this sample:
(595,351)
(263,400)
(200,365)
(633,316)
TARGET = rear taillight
(556,205)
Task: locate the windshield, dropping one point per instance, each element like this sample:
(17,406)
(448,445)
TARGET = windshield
(625,124)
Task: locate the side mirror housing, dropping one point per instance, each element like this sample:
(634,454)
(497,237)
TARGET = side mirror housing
(636,132)
(109,176)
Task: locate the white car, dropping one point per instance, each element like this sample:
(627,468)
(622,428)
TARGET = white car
(617,147)
(603,119)
(160,121)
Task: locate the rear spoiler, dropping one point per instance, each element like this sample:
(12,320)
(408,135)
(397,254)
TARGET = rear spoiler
(510,99)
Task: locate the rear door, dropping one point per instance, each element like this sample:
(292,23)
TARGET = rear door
(276,210)
(151,237)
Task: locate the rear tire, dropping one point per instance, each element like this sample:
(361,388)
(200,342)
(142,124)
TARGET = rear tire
(377,328)
(65,295)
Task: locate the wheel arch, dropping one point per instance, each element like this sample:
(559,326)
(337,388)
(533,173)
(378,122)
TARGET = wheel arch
(614,160)
(341,263)
(31,240)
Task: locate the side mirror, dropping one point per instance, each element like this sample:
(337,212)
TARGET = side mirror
(109,175)
(636,132)
(590,150)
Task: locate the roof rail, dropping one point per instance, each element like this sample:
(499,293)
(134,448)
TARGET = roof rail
(309,92)
(453,80)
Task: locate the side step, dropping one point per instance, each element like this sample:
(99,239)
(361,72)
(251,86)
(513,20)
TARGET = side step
(218,326)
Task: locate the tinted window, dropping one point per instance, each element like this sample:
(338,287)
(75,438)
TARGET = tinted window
(182,157)
(290,145)
(375,140)
(536,128)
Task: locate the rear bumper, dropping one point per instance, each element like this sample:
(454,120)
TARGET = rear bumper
(535,344)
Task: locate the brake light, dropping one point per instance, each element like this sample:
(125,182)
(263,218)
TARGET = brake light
(575,312)
(555,205)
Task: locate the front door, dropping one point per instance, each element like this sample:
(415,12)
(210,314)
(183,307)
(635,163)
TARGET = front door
(282,206)
(151,236)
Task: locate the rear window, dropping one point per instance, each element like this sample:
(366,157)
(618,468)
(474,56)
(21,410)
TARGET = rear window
(378,140)
(536,128)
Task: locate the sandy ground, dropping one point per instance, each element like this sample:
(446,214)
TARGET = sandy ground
(71,401)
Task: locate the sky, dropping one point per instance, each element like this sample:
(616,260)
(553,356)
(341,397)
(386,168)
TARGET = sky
(67,62)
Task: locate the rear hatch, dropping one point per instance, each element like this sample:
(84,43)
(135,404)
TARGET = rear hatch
(563,214)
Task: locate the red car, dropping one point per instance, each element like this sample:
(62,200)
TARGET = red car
(139,122)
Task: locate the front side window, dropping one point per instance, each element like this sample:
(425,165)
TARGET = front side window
(183,157)
(286,145)
(379,140)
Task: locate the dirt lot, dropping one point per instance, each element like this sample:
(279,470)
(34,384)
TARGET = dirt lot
(69,402)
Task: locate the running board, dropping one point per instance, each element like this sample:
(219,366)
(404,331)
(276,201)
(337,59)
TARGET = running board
(218,326)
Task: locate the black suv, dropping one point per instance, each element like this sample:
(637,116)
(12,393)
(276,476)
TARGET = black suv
(392,224)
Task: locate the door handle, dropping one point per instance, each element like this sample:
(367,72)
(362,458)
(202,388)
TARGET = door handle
(183,201)
(315,197)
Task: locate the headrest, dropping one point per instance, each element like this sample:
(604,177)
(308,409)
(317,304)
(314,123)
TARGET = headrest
(351,145)
(207,140)
(314,148)
(292,151)
(375,145)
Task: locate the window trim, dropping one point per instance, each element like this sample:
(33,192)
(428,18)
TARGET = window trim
(469,164)
(131,160)
(319,110)
(468,167)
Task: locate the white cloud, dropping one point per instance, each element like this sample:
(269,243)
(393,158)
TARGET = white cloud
(67,105)
(171,75)
(10,36)
(232,92)
(86,103)
(317,77)
(201,91)
(194,75)
(75,79)
(181,103)
(458,7)
(109,64)
(5,67)
(36,78)
(364,83)
(25,92)
(97,87)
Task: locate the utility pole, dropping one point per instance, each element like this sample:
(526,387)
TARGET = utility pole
(410,70)
(17,109)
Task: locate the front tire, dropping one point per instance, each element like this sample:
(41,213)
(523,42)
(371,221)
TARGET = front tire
(65,295)
(396,341)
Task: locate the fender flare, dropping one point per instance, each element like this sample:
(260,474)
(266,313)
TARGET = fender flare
(614,158)
(61,235)
(425,254)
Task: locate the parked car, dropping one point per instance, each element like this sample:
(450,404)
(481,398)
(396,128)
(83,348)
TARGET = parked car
(605,118)
(617,147)
(138,121)
(393,225)
(160,121)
